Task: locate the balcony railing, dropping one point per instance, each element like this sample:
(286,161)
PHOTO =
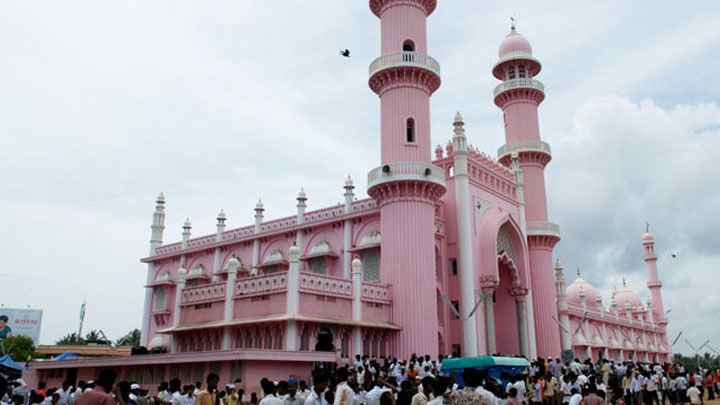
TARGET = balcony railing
(406,171)
(543,228)
(206,292)
(311,282)
(412,59)
(526,145)
(517,84)
(268,283)
(376,292)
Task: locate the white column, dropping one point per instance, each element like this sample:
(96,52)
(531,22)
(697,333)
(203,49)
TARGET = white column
(232,270)
(218,238)
(522,325)
(347,236)
(357,304)
(179,286)
(301,206)
(156,236)
(490,323)
(465,253)
(531,324)
(293,297)
(185,238)
(562,304)
(259,209)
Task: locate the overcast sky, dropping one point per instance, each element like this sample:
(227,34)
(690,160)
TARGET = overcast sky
(218,103)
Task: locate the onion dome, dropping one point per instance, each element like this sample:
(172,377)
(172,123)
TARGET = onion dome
(438,152)
(259,206)
(514,44)
(349,183)
(625,296)
(187,224)
(302,196)
(579,287)
(648,238)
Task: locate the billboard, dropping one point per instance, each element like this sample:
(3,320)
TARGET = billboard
(25,322)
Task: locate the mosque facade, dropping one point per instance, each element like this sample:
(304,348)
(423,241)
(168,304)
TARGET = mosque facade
(451,254)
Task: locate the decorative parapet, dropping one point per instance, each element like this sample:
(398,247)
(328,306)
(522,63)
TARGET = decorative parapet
(543,228)
(259,285)
(526,145)
(319,283)
(405,59)
(203,293)
(376,292)
(406,171)
(282,224)
(518,84)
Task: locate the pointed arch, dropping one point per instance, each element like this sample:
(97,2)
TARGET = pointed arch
(491,221)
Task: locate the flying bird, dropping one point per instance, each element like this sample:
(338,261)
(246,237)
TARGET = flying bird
(345,53)
(673,255)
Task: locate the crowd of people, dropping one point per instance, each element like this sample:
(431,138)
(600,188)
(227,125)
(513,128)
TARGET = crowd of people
(419,380)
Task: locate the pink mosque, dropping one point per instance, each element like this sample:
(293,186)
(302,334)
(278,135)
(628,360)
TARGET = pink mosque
(452,253)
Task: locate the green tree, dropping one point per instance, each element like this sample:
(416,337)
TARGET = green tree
(131,339)
(18,347)
(71,339)
(93,336)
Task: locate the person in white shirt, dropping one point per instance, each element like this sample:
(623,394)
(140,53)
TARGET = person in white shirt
(268,388)
(519,385)
(66,397)
(575,397)
(373,397)
(344,395)
(693,394)
(176,397)
(189,397)
(317,393)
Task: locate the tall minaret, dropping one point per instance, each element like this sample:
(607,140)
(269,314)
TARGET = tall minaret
(654,283)
(519,96)
(406,186)
(156,236)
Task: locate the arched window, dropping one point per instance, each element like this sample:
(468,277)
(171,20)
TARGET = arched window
(410,130)
(371,266)
(521,71)
(160,299)
(511,73)
(408,46)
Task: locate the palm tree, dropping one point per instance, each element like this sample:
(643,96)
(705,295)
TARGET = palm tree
(131,339)
(70,339)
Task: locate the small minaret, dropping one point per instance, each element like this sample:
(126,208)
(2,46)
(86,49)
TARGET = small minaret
(562,303)
(156,237)
(185,238)
(259,210)
(221,218)
(599,302)
(465,248)
(650,315)
(347,237)
(614,307)
(301,206)
(158,224)
(654,283)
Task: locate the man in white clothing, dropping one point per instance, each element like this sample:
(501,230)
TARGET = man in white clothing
(373,397)
(317,394)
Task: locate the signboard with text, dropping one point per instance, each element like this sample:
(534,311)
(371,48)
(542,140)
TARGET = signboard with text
(25,322)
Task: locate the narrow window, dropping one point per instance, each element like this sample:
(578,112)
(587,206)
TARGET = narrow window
(160,299)
(408,46)
(453,267)
(511,73)
(410,130)
(521,70)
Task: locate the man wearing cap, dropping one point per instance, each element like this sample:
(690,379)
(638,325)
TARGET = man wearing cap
(232,395)
(292,397)
(134,390)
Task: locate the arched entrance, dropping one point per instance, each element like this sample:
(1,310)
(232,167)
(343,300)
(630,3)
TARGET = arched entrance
(324,340)
(506,314)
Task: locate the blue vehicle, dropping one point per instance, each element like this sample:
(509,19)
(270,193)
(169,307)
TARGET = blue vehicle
(500,368)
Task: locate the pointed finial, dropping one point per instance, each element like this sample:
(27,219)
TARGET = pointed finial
(624,283)
(578,271)
(458,117)
(512,23)
(647,226)
(160,198)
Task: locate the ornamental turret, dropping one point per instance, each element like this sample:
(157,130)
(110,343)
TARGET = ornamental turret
(519,96)
(406,185)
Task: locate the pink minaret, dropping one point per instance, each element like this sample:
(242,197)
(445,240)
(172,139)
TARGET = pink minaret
(519,96)
(405,185)
(654,283)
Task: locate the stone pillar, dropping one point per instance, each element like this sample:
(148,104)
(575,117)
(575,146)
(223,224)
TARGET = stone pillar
(259,209)
(293,297)
(156,236)
(179,286)
(522,324)
(347,236)
(232,270)
(490,322)
(465,251)
(357,304)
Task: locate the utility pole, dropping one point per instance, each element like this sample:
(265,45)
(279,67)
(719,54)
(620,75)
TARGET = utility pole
(82,320)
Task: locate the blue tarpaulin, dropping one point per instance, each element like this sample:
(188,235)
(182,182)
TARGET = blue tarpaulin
(7,362)
(66,356)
